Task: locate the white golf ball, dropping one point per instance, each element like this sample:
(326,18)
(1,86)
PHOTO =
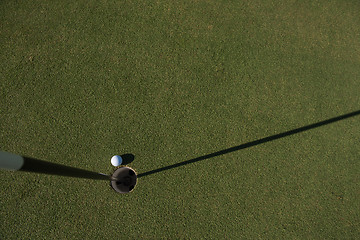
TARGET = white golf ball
(116,160)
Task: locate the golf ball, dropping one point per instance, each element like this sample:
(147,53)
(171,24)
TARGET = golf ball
(116,160)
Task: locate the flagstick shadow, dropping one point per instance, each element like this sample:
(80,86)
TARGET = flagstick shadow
(253,143)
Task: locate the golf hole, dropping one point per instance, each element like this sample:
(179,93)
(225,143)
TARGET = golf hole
(126,180)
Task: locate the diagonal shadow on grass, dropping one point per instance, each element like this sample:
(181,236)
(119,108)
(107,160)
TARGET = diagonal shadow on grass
(253,143)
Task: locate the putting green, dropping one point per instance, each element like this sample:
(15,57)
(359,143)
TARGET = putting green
(170,82)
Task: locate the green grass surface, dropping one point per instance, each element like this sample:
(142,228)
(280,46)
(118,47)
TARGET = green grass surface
(170,81)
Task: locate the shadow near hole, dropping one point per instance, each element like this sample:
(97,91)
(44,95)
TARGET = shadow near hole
(253,143)
(127,158)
